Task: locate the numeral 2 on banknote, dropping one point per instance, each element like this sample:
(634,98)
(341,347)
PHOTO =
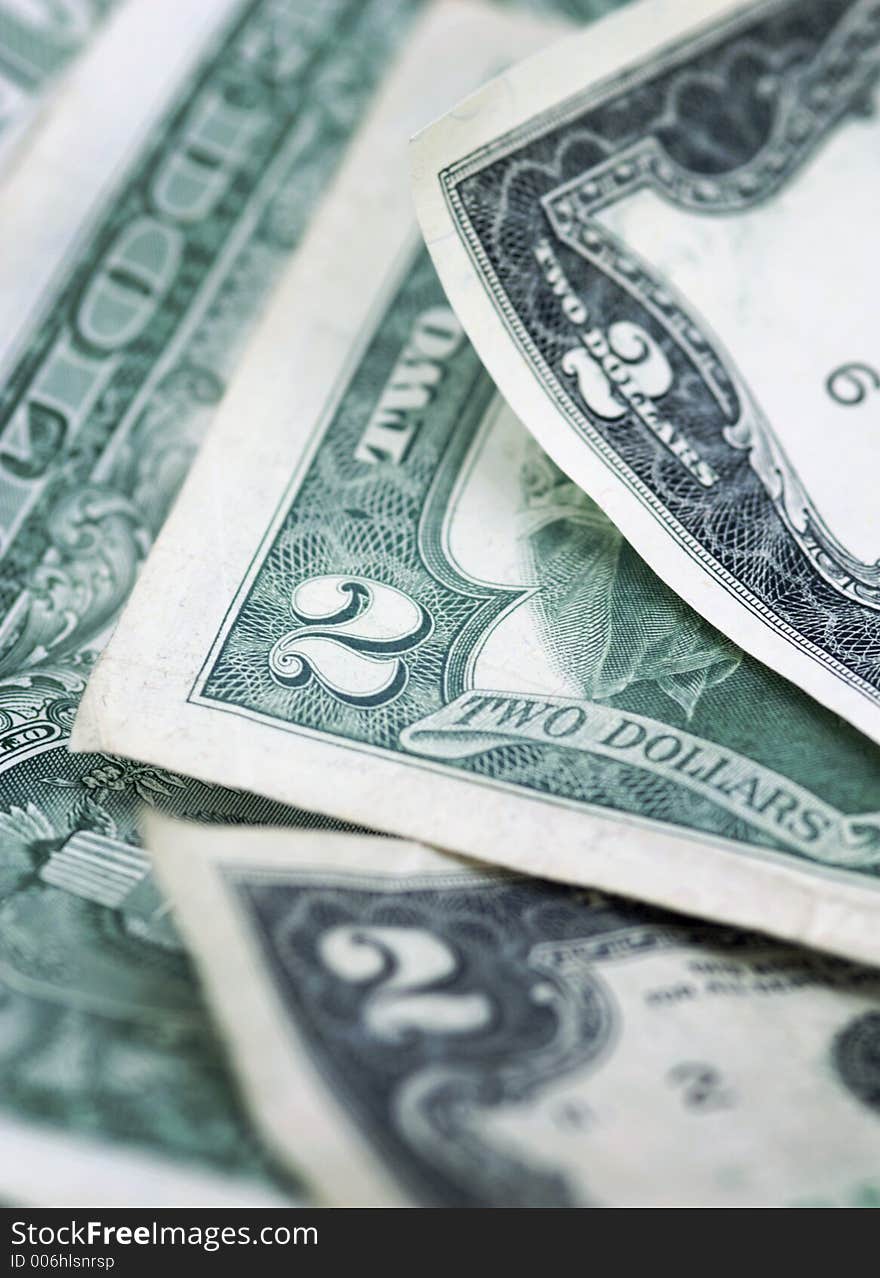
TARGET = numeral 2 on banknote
(661,238)
(378,598)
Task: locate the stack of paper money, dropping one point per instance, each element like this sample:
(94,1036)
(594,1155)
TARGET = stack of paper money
(473,797)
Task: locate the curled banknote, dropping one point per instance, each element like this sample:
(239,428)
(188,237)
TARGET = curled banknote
(659,236)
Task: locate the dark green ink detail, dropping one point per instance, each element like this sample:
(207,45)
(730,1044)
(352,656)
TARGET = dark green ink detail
(381,521)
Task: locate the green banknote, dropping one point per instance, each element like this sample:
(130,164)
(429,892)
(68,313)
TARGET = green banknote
(641,233)
(378,598)
(155,210)
(413,1029)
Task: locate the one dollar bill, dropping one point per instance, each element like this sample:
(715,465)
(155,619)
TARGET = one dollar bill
(660,237)
(379,599)
(413,1030)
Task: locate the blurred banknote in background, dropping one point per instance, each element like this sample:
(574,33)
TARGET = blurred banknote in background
(411,1029)
(642,234)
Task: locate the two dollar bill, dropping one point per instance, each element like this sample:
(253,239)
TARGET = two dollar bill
(383,598)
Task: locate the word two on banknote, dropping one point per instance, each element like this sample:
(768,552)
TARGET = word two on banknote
(675,256)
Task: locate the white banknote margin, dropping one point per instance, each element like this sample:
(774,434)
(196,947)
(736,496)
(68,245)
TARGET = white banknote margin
(137,702)
(298,1115)
(616,43)
(17,133)
(41,1168)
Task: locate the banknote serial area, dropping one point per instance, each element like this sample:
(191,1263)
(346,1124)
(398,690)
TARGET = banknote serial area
(439,608)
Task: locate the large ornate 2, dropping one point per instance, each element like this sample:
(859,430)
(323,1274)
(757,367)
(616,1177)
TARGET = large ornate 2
(805,102)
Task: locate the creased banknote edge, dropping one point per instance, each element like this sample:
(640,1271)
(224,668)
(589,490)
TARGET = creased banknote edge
(479,24)
(18,134)
(615,43)
(746,886)
(299,1118)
